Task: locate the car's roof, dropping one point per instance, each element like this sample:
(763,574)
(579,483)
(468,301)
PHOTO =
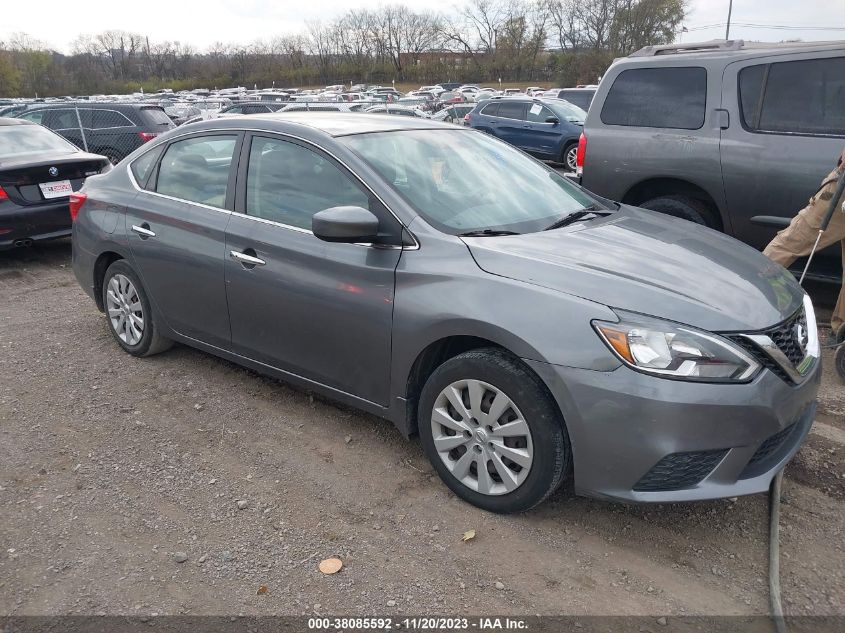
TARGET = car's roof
(331,123)
(720,50)
(10,121)
(102,105)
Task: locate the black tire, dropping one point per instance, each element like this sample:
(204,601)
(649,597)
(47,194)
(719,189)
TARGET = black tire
(682,207)
(839,361)
(151,341)
(564,156)
(552,454)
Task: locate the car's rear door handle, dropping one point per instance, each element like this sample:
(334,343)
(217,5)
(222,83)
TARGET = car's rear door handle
(246,259)
(143,230)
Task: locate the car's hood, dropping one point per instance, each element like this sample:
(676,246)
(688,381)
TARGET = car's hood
(643,262)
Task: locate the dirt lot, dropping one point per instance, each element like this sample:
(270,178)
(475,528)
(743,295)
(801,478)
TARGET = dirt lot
(111,466)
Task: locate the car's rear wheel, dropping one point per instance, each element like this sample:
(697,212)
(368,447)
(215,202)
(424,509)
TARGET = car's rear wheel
(492,431)
(569,156)
(131,320)
(682,207)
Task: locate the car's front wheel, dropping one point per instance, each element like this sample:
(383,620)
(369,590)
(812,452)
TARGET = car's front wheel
(492,431)
(130,317)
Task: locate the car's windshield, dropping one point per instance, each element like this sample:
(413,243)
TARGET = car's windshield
(568,111)
(28,139)
(463,181)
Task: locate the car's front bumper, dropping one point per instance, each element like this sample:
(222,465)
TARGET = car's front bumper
(645,439)
(38,222)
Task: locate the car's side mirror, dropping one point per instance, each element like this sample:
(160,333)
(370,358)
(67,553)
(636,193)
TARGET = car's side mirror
(553,120)
(345,224)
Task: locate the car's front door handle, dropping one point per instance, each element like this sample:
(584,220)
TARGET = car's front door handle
(246,259)
(143,230)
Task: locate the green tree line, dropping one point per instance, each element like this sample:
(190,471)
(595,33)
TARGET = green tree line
(564,42)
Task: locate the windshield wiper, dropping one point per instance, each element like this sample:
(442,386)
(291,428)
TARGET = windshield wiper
(574,217)
(486,233)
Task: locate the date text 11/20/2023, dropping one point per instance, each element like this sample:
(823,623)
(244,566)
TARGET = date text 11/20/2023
(417,624)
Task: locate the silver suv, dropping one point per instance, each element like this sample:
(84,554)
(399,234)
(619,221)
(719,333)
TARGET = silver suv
(720,133)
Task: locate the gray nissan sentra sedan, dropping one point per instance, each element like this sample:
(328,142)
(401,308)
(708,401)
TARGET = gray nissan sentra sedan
(528,331)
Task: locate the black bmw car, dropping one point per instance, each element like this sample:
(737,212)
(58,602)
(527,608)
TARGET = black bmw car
(38,171)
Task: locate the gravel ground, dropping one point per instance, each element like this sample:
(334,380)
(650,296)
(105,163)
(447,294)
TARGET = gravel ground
(180,484)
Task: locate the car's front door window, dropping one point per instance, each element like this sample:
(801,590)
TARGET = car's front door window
(288,183)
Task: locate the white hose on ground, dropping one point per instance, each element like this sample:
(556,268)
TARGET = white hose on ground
(774,553)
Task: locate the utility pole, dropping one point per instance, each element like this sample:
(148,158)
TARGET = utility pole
(730,10)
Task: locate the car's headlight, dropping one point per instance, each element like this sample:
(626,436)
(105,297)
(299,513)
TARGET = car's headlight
(671,350)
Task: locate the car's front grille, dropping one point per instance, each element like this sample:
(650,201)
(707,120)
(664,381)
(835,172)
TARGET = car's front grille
(761,357)
(679,471)
(785,336)
(768,453)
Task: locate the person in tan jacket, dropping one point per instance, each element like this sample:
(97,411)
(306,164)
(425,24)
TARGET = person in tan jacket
(798,238)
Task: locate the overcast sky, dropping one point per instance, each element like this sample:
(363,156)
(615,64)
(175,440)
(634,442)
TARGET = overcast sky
(202,22)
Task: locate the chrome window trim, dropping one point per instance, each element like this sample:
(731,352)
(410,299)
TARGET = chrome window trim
(415,246)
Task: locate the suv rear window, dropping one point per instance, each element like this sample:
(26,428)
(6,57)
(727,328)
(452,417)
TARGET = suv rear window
(657,97)
(799,97)
(156,116)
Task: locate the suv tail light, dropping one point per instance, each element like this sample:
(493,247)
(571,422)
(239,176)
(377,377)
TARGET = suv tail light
(582,152)
(77,199)
(147,136)
(3,194)
(467,118)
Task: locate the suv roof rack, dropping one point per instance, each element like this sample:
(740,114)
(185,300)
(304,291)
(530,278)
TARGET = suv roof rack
(713,46)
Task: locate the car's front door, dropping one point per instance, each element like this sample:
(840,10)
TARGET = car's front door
(320,310)
(541,137)
(72,123)
(176,227)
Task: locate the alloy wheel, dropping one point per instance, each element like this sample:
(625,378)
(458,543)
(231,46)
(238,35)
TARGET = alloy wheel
(125,311)
(481,437)
(572,158)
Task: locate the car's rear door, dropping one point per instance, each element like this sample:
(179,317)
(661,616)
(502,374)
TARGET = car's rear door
(320,310)
(786,130)
(176,227)
(510,123)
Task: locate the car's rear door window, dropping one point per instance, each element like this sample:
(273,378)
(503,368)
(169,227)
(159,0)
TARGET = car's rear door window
(673,97)
(105,119)
(143,165)
(288,183)
(512,110)
(491,109)
(796,97)
(198,169)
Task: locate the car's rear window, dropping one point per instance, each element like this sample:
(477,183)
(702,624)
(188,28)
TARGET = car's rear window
(30,139)
(672,97)
(797,97)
